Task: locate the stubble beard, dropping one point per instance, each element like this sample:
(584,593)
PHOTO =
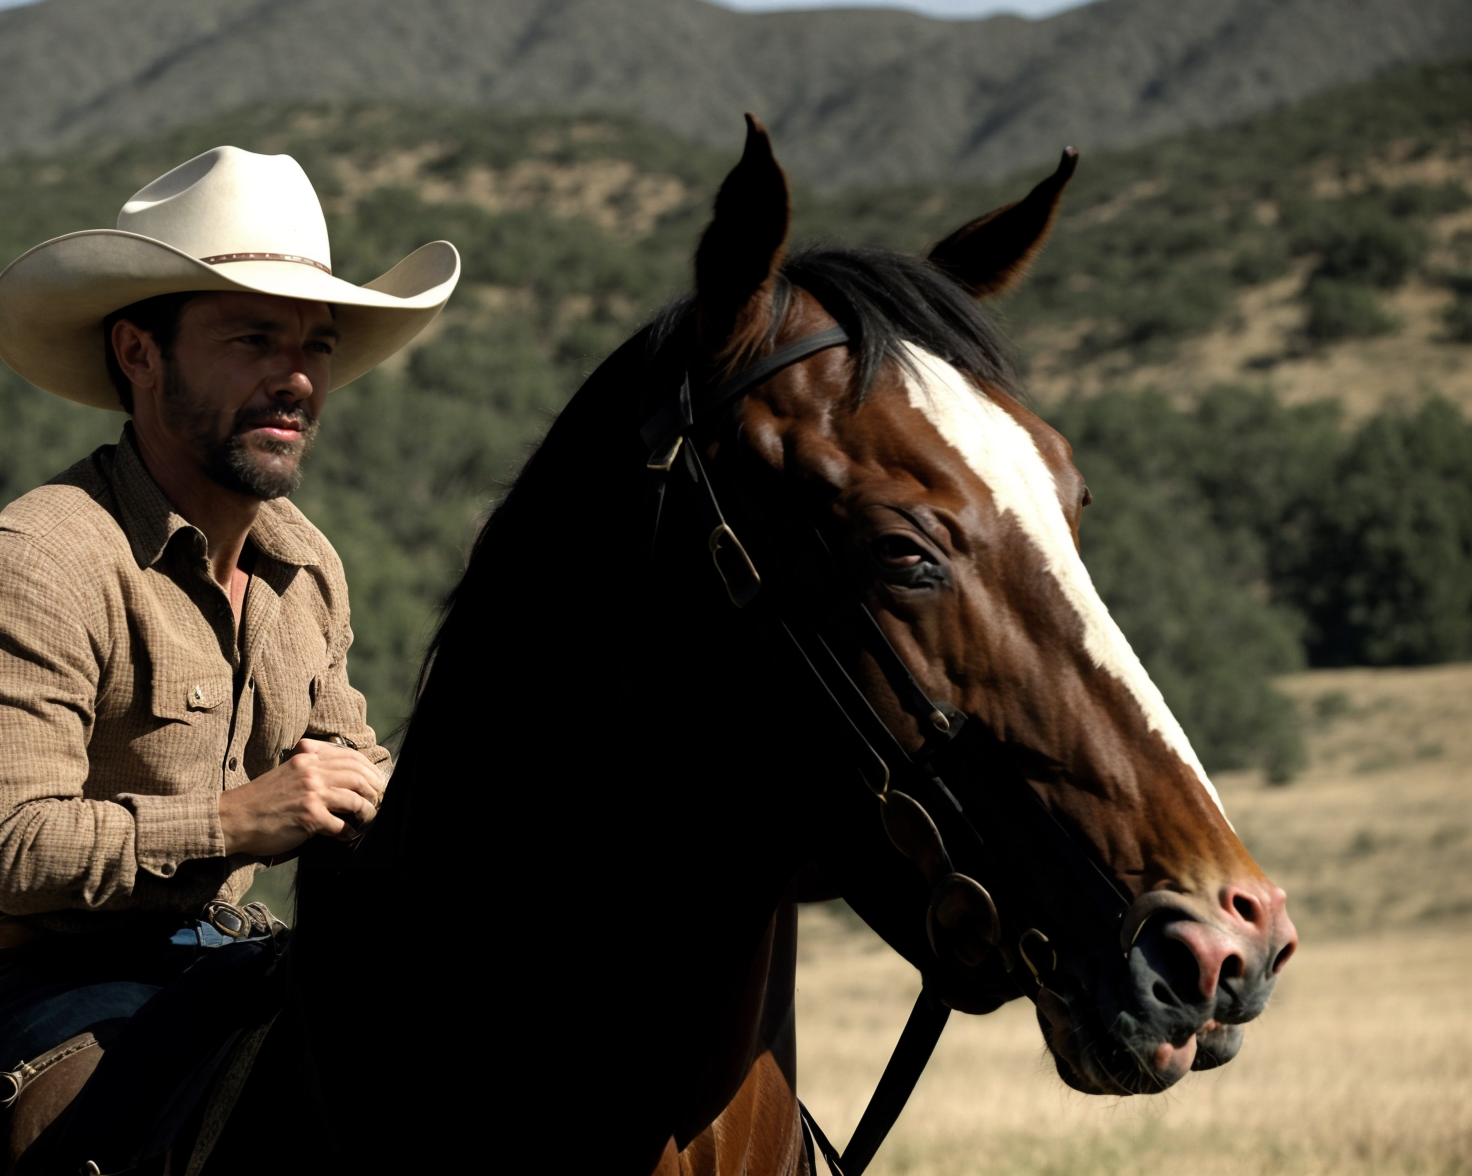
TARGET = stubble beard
(229,460)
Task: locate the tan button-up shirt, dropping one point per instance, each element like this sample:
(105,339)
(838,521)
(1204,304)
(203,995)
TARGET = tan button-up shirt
(127,700)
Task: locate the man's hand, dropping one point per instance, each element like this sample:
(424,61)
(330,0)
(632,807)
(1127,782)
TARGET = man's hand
(307,796)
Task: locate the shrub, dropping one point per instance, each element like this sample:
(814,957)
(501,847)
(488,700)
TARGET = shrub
(1359,240)
(1458,317)
(1343,310)
(1426,200)
(1253,266)
(1383,572)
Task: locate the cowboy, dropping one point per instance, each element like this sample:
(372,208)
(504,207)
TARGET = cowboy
(175,709)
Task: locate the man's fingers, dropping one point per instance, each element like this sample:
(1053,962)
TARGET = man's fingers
(344,767)
(336,827)
(347,814)
(348,802)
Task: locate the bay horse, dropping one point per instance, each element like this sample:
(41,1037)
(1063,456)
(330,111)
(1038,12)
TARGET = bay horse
(788,605)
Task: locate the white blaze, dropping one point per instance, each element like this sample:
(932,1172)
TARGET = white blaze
(1005,457)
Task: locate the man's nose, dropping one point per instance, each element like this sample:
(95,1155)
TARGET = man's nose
(292,385)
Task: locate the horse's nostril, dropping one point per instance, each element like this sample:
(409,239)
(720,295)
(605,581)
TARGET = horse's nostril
(1283,957)
(1233,968)
(1245,907)
(1163,994)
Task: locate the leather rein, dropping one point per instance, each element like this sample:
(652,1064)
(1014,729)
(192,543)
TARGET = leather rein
(923,819)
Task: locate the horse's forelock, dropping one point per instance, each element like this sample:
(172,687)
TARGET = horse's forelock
(888,301)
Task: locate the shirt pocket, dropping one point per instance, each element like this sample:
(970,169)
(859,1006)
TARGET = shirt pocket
(183,747)
(183,696)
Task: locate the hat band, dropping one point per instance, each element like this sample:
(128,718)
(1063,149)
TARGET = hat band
(222,258)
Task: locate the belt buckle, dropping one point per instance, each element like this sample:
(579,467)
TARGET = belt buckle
(227,918)
(261,916)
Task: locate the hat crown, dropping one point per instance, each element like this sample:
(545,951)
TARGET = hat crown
(228,202)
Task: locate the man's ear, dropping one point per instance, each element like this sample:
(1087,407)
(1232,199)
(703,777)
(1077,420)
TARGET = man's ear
(138,356)
(741,251)
(992,253)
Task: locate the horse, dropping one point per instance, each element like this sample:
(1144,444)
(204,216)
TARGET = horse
(787,606)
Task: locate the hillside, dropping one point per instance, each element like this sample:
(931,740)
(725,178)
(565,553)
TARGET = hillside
(1324,251)
(1237,530)
(857,97)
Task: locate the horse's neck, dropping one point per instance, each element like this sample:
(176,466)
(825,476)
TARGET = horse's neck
(757,1128)
(616,864)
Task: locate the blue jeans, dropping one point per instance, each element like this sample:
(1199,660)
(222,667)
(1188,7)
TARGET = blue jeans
(60,988)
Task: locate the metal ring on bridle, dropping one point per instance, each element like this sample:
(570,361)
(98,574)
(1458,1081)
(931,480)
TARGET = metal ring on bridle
(1034,933)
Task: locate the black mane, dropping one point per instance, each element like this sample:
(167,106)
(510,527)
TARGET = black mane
(883,299)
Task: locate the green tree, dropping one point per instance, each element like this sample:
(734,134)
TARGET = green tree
(1383,574)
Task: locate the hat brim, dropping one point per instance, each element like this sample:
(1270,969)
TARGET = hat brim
(54,297)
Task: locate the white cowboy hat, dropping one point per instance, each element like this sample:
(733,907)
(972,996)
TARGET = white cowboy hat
(226,220)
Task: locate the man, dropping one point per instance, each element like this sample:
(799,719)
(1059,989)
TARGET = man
(175,710)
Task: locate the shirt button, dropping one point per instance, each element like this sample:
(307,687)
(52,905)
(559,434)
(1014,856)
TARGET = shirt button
(166,870)
(234,763)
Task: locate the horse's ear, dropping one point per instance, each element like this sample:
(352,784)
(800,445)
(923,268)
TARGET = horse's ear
(741,250)
(993,252)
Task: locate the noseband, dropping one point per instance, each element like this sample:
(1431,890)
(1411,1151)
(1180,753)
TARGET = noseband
(922,816)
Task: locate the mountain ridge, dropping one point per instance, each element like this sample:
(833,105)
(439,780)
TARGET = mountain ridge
(858,97)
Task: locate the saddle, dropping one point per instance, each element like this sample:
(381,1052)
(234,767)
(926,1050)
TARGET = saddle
(41,1089)
(172,1084)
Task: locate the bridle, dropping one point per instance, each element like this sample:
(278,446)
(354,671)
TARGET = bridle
(923,817)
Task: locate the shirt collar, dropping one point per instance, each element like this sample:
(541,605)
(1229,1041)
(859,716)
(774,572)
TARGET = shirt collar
(150,521)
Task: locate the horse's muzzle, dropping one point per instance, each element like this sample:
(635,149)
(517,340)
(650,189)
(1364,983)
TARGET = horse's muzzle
(1194,972)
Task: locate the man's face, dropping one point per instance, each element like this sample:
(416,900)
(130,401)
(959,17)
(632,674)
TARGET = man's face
(245,385)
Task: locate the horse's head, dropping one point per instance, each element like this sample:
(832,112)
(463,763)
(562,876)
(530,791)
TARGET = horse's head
(952,512)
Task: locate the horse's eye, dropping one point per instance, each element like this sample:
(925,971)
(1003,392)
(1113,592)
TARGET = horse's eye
(898,552)
(1088,498)
(906,562)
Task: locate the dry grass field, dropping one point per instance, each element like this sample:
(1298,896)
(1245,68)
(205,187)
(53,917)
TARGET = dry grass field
(1363,1064)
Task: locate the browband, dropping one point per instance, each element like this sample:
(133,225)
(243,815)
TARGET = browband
(676,415)
(764,369)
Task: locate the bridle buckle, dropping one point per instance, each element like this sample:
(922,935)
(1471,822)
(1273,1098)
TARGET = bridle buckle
(737,570)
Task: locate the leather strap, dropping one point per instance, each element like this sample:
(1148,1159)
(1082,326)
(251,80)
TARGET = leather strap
(906,1064)
(911,1054)
(813,1140)
(676,415)
(764,369)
